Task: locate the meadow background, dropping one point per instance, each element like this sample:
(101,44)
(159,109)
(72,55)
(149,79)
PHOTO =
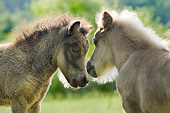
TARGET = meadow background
(94,98)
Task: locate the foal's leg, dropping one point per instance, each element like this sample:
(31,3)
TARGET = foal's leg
(19,106)
(37,106)
(35,109)
(130,107)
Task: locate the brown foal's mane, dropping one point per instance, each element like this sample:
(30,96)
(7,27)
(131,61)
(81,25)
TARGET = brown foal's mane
(44,25)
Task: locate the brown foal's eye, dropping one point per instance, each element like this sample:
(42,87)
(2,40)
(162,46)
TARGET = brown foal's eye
(75,48)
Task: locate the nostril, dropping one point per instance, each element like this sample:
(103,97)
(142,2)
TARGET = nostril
(84,80)
(89,66)
(73,82)
(91,69)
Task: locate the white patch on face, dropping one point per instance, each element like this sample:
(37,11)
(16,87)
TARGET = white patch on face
(109,76)
(63,79)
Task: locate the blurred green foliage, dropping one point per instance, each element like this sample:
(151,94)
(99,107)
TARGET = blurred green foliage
(146,14)
(153,13)
(9,20)
(6,22)
(82,8)
(161,7)
(14,5)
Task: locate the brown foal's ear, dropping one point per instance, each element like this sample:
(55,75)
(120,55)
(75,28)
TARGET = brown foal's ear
(86,29)
(74,27)
(107,20)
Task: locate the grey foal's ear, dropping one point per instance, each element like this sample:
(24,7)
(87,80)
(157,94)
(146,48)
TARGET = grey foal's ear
(107,20)
(73,27)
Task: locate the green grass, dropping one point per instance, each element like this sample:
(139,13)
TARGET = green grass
(83,104)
